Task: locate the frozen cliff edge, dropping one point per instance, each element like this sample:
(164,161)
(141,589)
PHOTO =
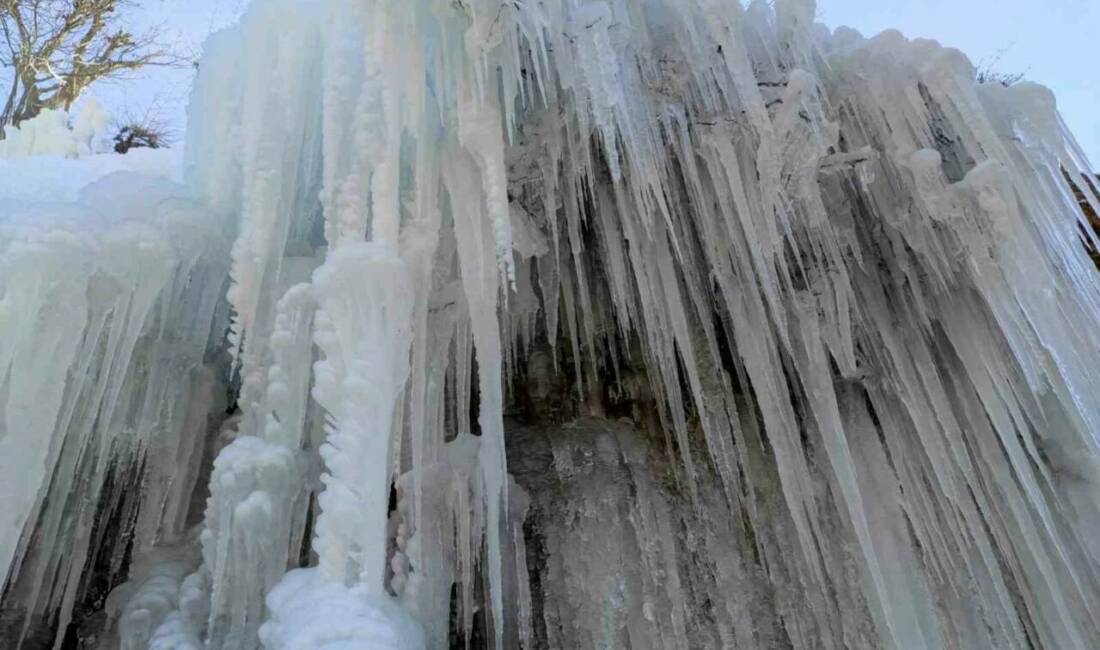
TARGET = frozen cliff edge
(648,324)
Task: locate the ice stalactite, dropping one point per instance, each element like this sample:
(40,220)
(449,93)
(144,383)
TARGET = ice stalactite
(365,336)
(364,331)
(108,304)
(766,215)
(255,517)
(839,290)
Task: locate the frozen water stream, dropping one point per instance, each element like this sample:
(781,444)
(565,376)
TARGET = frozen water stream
(559,324)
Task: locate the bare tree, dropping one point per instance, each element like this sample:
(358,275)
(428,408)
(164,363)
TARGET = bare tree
(987,72)
(135,131)
(55,49)
(988,76)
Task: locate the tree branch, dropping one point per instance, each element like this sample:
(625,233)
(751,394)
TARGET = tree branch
(58,48)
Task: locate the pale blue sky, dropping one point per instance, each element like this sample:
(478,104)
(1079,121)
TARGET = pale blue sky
(1052,42)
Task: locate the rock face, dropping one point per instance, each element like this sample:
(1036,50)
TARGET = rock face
(619,556)
(1082,191)
(647,324)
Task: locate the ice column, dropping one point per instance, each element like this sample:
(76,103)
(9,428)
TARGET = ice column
(364,330)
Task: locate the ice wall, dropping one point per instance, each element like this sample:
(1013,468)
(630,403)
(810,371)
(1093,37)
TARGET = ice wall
(841,290)
(106,310)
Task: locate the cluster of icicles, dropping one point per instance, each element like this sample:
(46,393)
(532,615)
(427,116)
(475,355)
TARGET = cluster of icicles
(849,242)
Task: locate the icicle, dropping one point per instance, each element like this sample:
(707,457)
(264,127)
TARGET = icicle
(364,329)
(474,233)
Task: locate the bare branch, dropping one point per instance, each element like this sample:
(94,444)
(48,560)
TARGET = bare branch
(56,49)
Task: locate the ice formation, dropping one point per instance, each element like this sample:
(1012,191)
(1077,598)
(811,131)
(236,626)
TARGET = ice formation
(56,132)
(561,324)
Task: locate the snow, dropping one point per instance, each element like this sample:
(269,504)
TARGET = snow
(841,289)
(55,155)
(310,612)
(53,178)
(55,132)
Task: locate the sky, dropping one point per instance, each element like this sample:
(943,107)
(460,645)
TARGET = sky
(1052,42)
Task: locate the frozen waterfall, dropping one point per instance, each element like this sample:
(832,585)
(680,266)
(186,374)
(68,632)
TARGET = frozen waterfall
(667,324)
